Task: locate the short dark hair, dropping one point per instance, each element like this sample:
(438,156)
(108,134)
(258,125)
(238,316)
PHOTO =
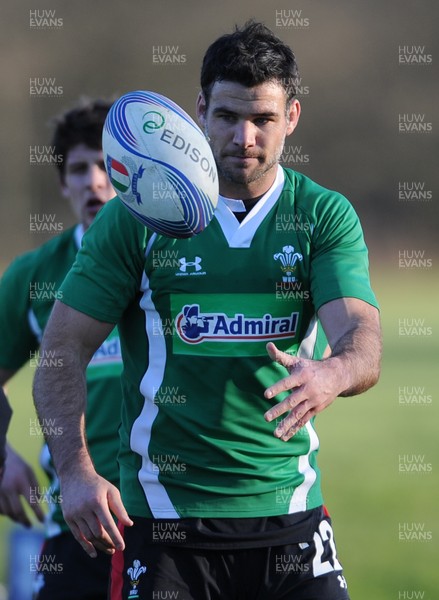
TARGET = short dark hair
(250,55)
(82,124)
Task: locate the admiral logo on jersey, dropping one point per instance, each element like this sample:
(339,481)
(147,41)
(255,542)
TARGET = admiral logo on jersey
(194,327)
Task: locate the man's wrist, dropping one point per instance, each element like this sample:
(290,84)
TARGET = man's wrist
(341,374)
(75,464)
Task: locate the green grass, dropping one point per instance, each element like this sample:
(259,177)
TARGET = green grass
(361,441)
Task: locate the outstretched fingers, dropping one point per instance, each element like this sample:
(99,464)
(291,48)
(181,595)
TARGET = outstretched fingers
(292,381)
(306,392)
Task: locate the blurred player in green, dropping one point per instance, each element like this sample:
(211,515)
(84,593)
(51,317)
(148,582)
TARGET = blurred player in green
(5,417)
(28,289)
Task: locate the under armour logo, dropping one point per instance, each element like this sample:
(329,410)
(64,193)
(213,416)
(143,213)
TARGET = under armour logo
(342,581)
(184,264)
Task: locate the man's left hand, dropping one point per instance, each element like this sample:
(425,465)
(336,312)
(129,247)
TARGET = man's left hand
(313,385)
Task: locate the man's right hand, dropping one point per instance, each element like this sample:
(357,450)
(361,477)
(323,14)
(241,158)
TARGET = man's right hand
(18,481)
(89,503)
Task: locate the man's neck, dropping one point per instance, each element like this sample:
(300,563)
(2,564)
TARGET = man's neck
(249,193)
(249,204)
(241,205)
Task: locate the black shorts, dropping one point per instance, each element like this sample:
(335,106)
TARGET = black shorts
(64,571)
(306,570)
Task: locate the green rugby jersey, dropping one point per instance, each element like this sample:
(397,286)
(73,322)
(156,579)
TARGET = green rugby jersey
(28,289)
(194,319)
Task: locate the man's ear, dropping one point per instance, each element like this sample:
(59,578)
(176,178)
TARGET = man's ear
(64,189)
(201,108)
(293,116)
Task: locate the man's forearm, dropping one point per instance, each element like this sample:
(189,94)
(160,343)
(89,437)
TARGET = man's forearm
(60,400)
(358,353)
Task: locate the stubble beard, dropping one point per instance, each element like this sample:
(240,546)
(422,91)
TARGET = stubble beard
(236,176)
(233,175)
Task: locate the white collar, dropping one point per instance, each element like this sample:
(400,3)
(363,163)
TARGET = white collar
(77,234)
(234,205)
(240,235)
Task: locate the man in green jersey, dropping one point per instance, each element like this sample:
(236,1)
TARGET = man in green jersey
(232,341)
(28,289)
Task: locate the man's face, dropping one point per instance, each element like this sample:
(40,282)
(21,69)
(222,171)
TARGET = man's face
(247,127)
(85,183)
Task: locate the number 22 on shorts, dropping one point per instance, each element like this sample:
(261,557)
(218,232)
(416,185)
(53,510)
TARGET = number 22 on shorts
(324,534)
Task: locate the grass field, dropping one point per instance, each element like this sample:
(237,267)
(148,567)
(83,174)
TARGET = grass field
(385,519)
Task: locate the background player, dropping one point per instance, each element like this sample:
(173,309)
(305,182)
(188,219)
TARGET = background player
(216,480)
(5,417)
(28,290)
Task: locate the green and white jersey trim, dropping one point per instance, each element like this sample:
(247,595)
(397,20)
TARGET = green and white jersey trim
(158,499)
(308,344)
(299,498)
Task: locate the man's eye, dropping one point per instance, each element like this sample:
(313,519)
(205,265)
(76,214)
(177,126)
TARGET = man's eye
(77,169)
(228,118)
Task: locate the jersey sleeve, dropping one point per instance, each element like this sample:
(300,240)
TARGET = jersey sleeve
(107,273)
(340,266)
(17,340)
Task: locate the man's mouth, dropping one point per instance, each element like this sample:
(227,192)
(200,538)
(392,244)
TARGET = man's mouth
(94,204)
(243,156)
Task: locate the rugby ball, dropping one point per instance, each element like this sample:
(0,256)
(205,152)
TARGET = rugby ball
(160,164)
